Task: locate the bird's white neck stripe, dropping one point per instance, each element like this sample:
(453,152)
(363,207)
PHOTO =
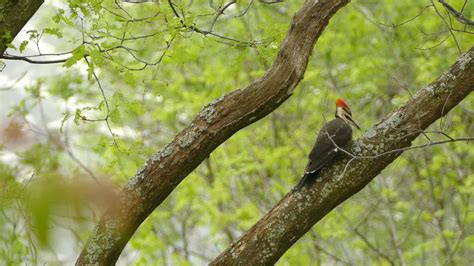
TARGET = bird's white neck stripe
(342,114)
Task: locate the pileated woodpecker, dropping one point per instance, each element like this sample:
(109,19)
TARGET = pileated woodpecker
(334,135)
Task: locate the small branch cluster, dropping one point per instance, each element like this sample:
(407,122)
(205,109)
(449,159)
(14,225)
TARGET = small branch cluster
(458,15)
(220,38)
(128,19)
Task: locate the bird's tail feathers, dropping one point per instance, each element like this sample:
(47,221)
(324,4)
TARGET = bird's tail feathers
(308,178)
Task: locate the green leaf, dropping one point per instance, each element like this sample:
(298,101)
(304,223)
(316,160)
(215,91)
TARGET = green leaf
(11,46)
(115,115)
(53,31)
(33,34)
(136,107)
(23,46)
(77,55)
(78,116)
(101,105)
(66,117)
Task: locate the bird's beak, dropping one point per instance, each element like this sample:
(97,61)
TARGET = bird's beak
(354,123)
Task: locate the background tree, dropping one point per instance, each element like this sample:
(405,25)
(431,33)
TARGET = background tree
(151,68)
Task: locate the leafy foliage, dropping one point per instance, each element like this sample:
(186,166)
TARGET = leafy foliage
(155,74)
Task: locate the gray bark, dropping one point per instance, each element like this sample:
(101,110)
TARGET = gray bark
(299,210)
(216,122)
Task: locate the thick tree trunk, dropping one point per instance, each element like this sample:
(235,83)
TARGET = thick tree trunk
(13,16)
(214,124)
(298,211)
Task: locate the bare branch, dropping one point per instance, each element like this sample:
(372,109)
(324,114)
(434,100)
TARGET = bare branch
(408,20)
(14,83)
(219,13)
(458,15)
(270,1)
(27,59)
(245,10)
(106,102)
(224,39)
(71,154)
(367,242)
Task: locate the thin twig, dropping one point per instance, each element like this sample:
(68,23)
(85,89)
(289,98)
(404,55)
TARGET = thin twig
(209,33)
(447,25)
(219,13)
(458,15)
(364,239)
(408,20)
(105,101)
(24,58)
(245,10)
(14,83)
(76,160)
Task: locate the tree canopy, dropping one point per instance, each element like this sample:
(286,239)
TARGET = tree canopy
(208,109)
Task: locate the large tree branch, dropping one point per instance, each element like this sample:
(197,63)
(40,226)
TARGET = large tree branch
(298,211)
(214,124)
(13,16)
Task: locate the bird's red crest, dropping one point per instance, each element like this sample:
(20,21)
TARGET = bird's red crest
(340,103)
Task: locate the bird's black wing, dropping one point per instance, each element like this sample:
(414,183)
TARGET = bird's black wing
(316,164)
(335,132)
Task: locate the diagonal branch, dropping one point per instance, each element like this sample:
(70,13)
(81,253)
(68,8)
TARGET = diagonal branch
(299,210)
(215,123)
(458,15)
